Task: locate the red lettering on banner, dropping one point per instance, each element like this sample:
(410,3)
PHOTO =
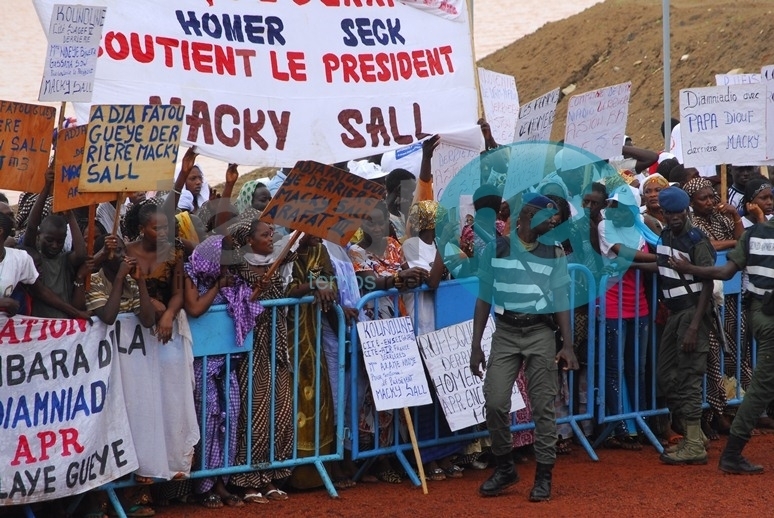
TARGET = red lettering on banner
(46,441)
(70,439)
(9,333)
(206,58)
(146,56)
(246,128)
(23,450)
(376,127)
(385,67)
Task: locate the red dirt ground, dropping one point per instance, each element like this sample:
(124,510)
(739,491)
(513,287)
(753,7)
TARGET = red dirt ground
(622,483)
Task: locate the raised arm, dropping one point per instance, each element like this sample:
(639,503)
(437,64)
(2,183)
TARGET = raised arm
(36,214)
(78,253)
(644,157)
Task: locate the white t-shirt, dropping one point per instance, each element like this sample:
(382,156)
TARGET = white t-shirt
(17,267)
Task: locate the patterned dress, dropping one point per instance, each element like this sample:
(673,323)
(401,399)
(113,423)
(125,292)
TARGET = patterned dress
(309,266)
(264,387)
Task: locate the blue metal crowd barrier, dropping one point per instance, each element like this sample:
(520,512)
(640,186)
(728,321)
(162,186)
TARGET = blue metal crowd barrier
(632,410)
(214,336)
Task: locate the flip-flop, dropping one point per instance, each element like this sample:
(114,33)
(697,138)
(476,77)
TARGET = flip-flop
(344,483)
(276,494)
(453,471)
(211,501)
(255,497)
(233,501)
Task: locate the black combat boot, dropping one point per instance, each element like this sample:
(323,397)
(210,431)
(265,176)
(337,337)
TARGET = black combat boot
(731,460)
(541,491)
(504,475)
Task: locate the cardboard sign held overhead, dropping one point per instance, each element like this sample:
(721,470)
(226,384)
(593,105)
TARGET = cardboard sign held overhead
(71,60)
(536,118)
(723,125)
(67,172)
(323,201)
(596,120)
(25,145)
(131,147)
(501,104)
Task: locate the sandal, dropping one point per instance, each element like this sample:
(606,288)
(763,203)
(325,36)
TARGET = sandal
(563,446)
(211,501)
(276,494)
(453,471)
(623,442)
(390,476)
(344,483)
(436,474)
(232,501)
(254,497)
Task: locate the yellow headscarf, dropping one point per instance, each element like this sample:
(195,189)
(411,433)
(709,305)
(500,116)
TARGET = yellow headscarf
(186,228)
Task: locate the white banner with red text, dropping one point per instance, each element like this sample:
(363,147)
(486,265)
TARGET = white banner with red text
(270,83)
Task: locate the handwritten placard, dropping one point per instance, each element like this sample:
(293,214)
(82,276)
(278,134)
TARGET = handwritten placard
(393,363)
(527,167)
(737,79)
(536,118)
(501,104)
(68,161)
(323,201)
(25,145)
(723,124)
(447,161)
(71,60)
(596,120)
(131,147)
(446,353)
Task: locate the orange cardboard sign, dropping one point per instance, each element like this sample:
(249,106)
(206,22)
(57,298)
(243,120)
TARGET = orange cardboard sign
(25,145)
(323,201)
(67,172)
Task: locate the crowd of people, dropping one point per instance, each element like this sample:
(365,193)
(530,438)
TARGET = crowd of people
(191,247)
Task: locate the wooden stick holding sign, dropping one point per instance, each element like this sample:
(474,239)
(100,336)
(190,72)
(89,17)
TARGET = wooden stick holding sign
(415,447)
(395,372)
(117,218)
(276,264)
(90,240)
(723,184)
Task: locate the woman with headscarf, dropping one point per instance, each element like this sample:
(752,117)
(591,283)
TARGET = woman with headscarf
(720,221)
(207,282)
(377,260)
(420,251)
(651,211)
(254,250)
(723,225)
(620,243)
(312,274)
(757,204)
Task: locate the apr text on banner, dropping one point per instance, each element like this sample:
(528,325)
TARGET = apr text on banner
(271,83)
(63,422)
